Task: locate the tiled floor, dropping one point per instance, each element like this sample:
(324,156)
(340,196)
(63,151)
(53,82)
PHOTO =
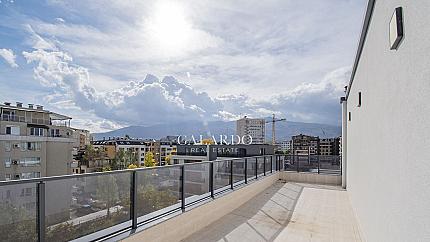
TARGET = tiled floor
(287,212)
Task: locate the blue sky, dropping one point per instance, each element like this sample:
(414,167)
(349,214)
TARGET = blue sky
(110,64)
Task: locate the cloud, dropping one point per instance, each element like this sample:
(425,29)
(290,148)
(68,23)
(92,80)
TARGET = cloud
(142,102)
(9,57)
(236,58)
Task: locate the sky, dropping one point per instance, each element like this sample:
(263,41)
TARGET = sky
(110,64)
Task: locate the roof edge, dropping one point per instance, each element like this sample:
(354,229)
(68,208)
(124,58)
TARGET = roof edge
(366,24)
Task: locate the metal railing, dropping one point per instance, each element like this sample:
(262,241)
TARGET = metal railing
(325,164)
(23,119)
(94,206)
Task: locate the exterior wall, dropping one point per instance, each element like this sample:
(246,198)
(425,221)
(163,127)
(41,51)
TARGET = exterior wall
(256,128)
(388,136)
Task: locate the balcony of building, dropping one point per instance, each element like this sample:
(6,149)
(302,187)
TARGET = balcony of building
(240,199)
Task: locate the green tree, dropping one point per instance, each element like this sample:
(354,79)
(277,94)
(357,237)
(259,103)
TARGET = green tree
(152,199)
(149,160)
(107,191)
(168,159)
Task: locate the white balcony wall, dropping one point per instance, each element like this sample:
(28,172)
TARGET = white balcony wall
(388,137)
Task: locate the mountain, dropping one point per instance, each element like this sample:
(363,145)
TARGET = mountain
(284,130)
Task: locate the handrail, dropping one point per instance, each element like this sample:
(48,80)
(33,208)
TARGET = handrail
(184,205)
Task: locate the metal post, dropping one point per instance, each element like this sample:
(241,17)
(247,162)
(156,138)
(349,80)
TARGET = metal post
(183,188)
(246,171)
(133,200)
(40,211)
(298,161)
(271,164)
(256,167)
(231,174)
(264,165)
(211,179)
(318,164)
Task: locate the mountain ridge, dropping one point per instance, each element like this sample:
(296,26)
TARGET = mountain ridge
(284,130)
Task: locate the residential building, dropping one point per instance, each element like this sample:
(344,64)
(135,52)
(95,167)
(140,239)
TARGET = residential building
(34,142)
(249,127)
(386,127)
(284,146)
(305,144)
(329,146)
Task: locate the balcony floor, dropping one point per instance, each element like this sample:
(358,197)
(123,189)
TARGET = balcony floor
(287,212)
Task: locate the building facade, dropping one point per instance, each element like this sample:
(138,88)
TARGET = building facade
(256,128)
(34,142)
(305,144)
(387,178)
(329,146)
(284,146)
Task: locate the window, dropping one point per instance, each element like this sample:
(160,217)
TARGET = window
(55,133)
(359,99)
(7,145)
(12,130)
(29,175)
(349,116)
(36,131)
(30,161)
(23,146)
(34,146)
(7,162)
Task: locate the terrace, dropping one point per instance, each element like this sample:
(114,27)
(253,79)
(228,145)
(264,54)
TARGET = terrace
(219,200)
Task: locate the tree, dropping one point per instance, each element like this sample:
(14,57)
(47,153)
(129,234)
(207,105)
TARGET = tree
(153,199)
(107,191)
(132,166)
(169,159)
(207,142)
(149,160)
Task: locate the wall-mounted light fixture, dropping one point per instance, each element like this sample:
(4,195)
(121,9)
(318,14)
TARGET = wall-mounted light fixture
(396,28)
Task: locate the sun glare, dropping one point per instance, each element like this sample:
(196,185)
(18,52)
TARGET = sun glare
(168,26)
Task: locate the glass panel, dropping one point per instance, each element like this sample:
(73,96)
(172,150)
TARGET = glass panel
(79,206)
(239,170)
(158,191)
(221,174)
(196,181)
(18,212)
(260,167)
(251,168)
(268,164)
(329,163)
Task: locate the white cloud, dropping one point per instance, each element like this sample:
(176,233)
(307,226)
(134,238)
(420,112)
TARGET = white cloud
(9,57)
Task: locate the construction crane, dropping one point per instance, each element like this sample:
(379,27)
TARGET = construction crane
(273,121)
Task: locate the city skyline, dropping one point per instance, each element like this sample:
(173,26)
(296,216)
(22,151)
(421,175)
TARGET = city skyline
(145,64)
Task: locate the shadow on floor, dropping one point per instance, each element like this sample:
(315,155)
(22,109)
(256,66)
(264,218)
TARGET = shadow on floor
(260,219)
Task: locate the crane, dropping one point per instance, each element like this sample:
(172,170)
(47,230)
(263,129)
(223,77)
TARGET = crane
(273,121)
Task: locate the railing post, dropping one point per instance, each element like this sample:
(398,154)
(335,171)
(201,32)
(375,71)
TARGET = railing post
(318,164)
(256,167)
(211,179)
(41,211)
(271,164)
(231,174)
(183,188)
(264,165)
(246,171)
(133,200)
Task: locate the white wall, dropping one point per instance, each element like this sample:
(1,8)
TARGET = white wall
(388,172)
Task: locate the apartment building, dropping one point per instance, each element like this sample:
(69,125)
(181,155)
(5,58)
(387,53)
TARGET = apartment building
(305,144)
(34,142)
(256,128)
(329,146)
(284,146)
(387,177)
